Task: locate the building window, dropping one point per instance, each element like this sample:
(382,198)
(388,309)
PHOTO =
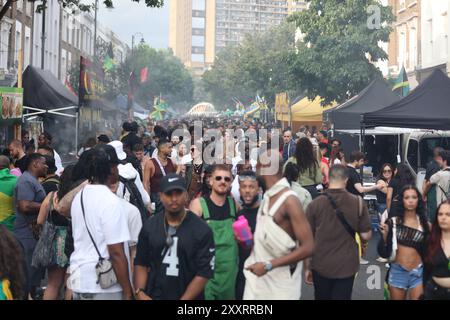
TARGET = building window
(20,5)
(29,8)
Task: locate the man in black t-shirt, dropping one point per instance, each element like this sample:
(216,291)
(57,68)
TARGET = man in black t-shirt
(249,191)
(354,183)
(18,155)
(175,251)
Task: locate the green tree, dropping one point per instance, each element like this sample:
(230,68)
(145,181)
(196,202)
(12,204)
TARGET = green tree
(340,44)
(259,65)
(167,76)
(78,4)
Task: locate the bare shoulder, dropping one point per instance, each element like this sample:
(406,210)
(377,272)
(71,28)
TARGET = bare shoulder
(196,207)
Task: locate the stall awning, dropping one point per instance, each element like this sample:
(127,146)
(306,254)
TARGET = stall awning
(375,96)
(307,111)
(426,107)
(43,90)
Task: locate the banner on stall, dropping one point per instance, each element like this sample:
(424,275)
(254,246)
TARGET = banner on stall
(11,103)
(282,105)
(91,83)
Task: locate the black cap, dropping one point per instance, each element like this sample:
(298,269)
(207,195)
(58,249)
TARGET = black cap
(173,181)
(103,138)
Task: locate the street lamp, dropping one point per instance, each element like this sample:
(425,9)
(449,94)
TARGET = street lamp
(132,39)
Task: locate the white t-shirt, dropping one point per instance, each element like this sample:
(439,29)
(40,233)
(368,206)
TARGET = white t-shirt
(442,181)
(235,190)
(127,171)
(236,160)
(337,161)
(58,163)
(134,220)
(108,225)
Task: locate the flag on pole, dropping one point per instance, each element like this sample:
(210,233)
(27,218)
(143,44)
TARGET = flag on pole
(108,63)
(144,74)
(69,87)
(401,86)
(131,89)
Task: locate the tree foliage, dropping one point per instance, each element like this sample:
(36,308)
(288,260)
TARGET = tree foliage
(336,58)
(167,76)
(259,65)
(79,5)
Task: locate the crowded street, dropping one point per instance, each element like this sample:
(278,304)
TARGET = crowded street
(304,161)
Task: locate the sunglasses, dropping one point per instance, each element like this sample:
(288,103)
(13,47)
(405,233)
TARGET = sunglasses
(387,171)
(219,178)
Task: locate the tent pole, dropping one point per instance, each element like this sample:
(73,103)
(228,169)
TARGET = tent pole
(362,144)
(76,131)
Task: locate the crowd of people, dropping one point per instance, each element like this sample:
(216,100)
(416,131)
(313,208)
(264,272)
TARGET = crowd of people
(151,214)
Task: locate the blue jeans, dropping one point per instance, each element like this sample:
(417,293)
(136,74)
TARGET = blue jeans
(401,278)
(381,207)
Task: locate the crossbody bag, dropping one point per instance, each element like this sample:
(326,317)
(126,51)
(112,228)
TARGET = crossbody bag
(106,277)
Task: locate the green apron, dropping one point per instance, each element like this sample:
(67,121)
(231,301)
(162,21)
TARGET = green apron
(222,285)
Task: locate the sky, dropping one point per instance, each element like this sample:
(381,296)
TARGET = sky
(128,18)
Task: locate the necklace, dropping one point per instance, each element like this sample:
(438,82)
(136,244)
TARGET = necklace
(197,168)
(170,231)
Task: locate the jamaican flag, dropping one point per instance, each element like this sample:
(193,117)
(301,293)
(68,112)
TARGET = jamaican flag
(401,86)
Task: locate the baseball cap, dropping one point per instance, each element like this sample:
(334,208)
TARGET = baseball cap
(118,146)
(173,181)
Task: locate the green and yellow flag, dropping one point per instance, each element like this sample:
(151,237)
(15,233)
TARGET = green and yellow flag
(401,86)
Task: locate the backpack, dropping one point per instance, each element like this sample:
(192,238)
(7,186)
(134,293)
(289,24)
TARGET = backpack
(132,195)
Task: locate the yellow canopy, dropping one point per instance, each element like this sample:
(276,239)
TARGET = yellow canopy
(307,111)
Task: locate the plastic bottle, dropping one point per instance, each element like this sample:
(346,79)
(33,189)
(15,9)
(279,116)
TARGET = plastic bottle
(242,232)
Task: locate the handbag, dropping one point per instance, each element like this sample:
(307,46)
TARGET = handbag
(44,253)
(394,240)
(106,277)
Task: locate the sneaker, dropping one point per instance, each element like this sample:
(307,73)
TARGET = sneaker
(382,260)
(363,261)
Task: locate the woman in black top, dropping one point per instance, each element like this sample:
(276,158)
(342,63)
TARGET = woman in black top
(403,177)
(384,178)
(409,229)
(437,260)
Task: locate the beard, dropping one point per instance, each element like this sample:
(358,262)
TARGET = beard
(222,193)
(249,205)
(175,214)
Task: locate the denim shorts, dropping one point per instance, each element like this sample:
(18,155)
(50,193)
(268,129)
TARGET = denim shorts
(404,279)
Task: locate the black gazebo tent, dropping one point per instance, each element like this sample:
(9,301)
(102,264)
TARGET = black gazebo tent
(42,90)
(427,107)
(375,96)
(44,95)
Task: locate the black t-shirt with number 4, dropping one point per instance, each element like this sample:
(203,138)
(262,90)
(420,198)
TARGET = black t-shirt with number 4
(172,269)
